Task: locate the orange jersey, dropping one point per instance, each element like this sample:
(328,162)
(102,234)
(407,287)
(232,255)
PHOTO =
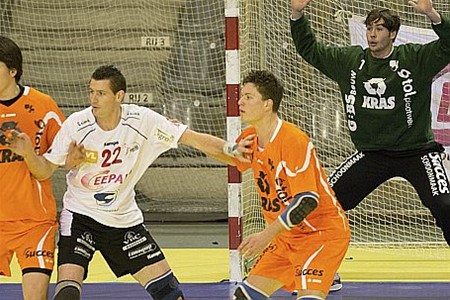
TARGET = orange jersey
(287,166)
(22,197)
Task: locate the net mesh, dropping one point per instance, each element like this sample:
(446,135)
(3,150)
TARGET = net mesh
(392,216)
(171,53)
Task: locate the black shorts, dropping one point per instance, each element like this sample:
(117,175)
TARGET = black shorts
(126,250)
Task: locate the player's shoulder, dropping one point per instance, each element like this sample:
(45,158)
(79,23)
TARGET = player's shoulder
(36,95)
(133,111)
(292,133)
(80,119)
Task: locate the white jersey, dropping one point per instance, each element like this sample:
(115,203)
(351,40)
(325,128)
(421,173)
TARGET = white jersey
(103,188)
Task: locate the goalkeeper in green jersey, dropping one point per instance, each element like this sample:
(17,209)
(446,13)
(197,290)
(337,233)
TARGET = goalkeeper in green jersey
(386,93)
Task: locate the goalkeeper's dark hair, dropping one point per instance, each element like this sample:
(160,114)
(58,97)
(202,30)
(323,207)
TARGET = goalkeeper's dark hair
(11,56)
(267,85)
(113,74)
(391,19)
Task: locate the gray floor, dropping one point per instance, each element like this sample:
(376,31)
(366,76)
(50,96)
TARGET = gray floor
(190,234)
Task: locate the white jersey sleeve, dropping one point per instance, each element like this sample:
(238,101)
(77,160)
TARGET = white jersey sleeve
(103,187)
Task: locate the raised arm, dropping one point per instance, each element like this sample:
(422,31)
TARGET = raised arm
(297,8)
(425,7)
(324,58)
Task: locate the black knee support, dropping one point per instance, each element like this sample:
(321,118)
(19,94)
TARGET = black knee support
(165,288)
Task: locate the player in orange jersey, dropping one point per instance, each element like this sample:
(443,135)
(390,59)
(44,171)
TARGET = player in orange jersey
(27,206)
(308,233)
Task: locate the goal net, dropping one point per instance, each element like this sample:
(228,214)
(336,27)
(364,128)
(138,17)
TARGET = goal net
(172,55)
(392,216)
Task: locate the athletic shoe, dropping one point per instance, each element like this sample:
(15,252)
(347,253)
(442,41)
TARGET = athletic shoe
(337,284)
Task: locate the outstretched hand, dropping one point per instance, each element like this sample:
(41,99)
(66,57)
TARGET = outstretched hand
(422,6)
(426,7)
(298,6)
(76,155)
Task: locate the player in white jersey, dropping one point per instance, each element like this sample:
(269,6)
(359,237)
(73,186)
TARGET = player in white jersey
(117,143)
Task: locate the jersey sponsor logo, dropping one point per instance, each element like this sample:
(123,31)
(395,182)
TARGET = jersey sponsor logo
(336,174)
(96,182)
(142,250)
(85,243)
(350,103)
(283,196)
(436,173)
(270,204)
(393,64)
(40,124)
(29,108)
(132,239)
(81,251)
(105,199)
(81,123)
(409,91)
(133,147)
(7,156)
(91,156)
(262,183)
(135,243)
(308,272)
(281,190)
(38,253)
(106,144)
(164,137)
(376,87)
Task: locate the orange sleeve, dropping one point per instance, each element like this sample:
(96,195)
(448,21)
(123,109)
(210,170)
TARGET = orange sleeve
(301,168)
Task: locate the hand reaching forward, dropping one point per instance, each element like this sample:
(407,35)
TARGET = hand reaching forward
(76,155)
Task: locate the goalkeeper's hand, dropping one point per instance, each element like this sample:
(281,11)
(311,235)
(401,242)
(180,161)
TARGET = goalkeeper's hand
(241,150)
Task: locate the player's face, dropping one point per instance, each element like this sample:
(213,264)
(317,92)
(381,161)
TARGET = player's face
(105,104)
(7,82)
(252,107)
(379,38)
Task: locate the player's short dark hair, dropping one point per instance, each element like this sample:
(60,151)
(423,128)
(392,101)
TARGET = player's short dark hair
(391,19)
(11,56)
(267,85)
(113,74)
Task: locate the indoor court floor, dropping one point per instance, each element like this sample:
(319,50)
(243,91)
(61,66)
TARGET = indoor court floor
(198,255)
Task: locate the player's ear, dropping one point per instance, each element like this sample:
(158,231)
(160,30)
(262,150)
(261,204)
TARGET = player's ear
(13,72)
(120,95)
(268,104)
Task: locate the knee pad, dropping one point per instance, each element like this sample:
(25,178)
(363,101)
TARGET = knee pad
(67,290)
(247,292)
(164,287)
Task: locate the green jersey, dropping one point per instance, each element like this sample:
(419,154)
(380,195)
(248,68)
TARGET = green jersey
(387,101)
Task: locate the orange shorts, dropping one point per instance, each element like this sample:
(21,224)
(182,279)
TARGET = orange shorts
(33,243)
(302,263)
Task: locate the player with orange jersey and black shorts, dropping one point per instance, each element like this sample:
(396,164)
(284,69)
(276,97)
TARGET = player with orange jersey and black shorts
(308,233)
(27,206)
